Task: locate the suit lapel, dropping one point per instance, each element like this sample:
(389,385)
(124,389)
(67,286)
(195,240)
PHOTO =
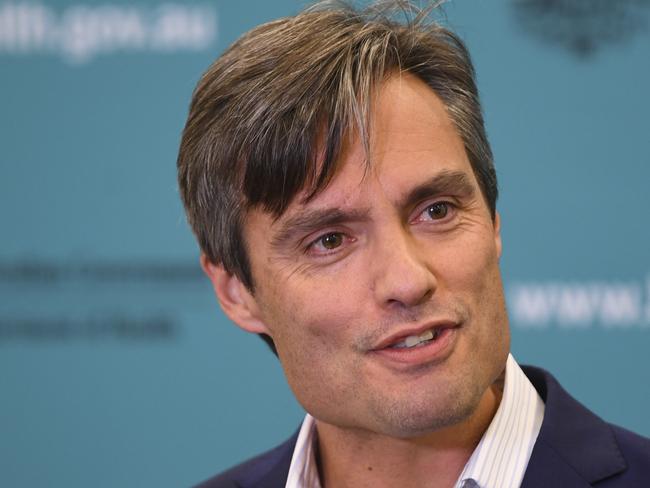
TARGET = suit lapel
(546,468)
(575,448)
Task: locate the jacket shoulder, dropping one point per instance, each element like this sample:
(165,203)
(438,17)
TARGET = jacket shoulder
(575,447)
(267,470)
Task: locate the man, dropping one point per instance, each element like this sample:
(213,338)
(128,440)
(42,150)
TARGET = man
(336,172)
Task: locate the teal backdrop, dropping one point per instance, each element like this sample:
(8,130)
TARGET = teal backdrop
(116,366)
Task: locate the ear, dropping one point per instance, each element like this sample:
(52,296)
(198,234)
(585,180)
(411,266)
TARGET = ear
(235,299)
(497,233)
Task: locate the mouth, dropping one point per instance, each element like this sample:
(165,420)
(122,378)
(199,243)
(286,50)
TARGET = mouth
(417,340)
(426,344)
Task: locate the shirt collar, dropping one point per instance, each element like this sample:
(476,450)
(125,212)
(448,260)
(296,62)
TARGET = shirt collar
(303,471)
(500,458)
(502,454)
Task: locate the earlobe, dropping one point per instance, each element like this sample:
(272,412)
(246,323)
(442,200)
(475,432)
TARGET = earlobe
(497,233)
(235,299)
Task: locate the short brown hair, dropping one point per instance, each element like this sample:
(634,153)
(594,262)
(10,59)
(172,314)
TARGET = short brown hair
(268,118)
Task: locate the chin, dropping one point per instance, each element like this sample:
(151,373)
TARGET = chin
(425,415)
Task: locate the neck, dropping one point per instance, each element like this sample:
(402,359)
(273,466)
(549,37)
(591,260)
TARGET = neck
(353,458)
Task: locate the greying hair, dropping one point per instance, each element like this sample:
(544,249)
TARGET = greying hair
(269,117)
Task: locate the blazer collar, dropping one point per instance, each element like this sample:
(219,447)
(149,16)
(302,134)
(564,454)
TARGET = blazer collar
(270,470)
(575,448)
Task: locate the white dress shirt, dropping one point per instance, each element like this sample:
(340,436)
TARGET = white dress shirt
(500,458)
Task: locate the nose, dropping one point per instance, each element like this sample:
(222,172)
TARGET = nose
(403,277)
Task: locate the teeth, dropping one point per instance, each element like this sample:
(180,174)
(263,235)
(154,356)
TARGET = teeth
(426,336)
(414,340)
(411,341)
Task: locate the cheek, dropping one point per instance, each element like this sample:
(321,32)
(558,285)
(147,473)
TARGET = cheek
(313,335)
(473,276)
(482,279)
(471,265)
(310,320)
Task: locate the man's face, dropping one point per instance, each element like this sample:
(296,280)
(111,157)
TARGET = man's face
(383,294)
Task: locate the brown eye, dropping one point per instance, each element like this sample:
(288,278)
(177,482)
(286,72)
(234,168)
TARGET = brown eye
(438,210)
(331,241)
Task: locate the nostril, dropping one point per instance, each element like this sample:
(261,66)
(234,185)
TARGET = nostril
(410,297)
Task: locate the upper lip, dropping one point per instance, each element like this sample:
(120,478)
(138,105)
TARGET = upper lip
(402,334)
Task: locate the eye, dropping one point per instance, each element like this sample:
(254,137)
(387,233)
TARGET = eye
(439,210)
(327,242)
(331,241)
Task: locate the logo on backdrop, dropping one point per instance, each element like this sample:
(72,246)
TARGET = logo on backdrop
(81,33)
(583,26)
(580,305)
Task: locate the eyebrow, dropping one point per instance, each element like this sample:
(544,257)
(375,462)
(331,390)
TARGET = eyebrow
(311,220)
(453,183)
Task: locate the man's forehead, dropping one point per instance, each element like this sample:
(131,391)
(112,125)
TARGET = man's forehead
(410,137)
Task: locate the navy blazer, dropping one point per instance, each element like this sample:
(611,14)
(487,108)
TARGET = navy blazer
(574,449)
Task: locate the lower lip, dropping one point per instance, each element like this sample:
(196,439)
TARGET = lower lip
(434,351)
